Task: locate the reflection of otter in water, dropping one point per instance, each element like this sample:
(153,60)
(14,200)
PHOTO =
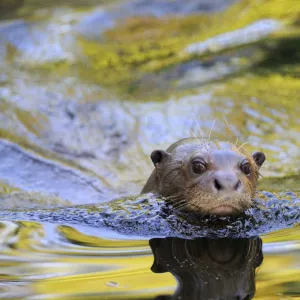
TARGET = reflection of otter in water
(208,269)
(205,176)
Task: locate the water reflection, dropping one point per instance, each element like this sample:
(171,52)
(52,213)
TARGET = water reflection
(209,268)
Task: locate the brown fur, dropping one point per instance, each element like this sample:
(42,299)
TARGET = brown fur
(173,177)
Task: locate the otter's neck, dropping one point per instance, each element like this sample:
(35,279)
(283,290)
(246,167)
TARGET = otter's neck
(151,184)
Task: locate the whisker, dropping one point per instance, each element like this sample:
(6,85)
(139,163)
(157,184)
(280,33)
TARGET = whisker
(229,128)
(175,194)
(211,129)
(193,134)
(181,207)
(187,204)
(227,125)
(236,142)
(201,133)
(176,201)
(180,201)
(194,205)
(175,197)
(242,145)
(259,174)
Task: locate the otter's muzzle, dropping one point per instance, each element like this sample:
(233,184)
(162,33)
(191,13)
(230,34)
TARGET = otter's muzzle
(226,182)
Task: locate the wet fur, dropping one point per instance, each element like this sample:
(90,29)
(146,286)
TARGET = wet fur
(170,178)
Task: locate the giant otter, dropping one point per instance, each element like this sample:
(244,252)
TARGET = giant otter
(205,176)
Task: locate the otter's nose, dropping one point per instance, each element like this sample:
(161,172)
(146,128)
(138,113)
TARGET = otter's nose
(226,182)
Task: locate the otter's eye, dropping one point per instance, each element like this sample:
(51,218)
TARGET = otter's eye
(246,168)
(198,167)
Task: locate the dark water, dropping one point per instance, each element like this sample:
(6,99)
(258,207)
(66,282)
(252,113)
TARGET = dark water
(87,90)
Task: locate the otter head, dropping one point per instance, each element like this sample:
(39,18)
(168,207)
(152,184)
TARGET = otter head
(206,177)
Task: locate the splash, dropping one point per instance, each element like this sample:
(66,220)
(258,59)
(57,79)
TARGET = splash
(149,216)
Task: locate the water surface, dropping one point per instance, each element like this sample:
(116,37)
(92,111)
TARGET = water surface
(87,90)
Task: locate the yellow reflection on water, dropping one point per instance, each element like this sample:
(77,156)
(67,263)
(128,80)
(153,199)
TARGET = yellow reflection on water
(82,266)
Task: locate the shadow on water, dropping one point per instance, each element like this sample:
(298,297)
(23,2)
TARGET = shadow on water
(282,58)
(209,268)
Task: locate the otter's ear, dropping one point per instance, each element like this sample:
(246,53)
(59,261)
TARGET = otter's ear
(158,156)
(259,158)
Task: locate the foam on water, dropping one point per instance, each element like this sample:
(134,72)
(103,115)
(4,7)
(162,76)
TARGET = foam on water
(148,216)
